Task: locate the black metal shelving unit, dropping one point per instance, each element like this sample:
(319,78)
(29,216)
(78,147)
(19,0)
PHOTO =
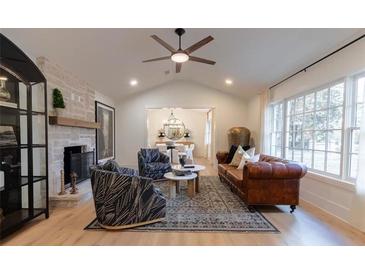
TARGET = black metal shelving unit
(23,140)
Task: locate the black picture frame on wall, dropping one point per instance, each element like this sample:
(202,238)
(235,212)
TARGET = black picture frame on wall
(105,135)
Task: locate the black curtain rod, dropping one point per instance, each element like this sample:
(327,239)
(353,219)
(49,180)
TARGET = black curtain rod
(328,55)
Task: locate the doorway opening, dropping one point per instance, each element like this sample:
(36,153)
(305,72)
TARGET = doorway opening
(198,126)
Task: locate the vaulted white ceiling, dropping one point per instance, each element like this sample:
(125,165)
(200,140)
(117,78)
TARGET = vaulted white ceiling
(109,58)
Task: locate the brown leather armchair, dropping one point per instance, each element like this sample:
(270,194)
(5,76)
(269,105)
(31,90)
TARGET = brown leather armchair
(270,181)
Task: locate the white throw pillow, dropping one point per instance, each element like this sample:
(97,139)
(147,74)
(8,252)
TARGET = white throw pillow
(244,161)
(251,152)
(254,159)
(237,156)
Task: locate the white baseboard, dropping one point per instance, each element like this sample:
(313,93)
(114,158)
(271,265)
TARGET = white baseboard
(332,208)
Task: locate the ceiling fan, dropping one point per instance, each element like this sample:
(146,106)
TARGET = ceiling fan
(180,56)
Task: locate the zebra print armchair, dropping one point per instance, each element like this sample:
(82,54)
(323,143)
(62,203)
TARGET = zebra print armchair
(125,201)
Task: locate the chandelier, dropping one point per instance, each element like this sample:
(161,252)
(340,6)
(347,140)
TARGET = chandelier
(174,128)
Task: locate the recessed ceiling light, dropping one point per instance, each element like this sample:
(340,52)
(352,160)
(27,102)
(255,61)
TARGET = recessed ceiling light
(229,82)
(133,82)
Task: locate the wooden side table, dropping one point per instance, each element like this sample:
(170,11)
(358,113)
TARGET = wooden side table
(175,180)
(196,169)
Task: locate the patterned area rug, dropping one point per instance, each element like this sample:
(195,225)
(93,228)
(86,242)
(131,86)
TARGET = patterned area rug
(214,209)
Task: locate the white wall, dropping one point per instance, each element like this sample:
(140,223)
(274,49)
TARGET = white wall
(328,194)
(131,114)
(253,121)
(194,120)
(348,61)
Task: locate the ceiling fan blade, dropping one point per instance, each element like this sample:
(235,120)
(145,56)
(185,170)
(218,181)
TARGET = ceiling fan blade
(157,59)
(178,67)
(201,60)
(163,43)
(199,44)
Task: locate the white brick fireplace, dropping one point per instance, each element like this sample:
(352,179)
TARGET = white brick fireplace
(79,100)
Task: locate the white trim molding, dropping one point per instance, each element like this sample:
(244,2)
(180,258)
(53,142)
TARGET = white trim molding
(332,181)
(329,194)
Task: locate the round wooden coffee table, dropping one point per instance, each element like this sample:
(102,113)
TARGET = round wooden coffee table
(196,169)
(175,180)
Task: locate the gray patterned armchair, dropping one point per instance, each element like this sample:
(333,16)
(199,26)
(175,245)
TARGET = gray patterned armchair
(152,163)
(125,200)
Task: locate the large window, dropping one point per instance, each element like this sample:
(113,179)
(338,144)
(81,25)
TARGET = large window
(357,100)
(315,128)
(276,135)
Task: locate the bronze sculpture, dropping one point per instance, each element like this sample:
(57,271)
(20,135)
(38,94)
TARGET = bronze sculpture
(74,189)
(239,136)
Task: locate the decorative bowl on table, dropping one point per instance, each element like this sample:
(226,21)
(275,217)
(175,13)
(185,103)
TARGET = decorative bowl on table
(181,172)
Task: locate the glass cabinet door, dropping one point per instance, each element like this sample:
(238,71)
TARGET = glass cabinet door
(39,151)
(38,104)
(14,147)
(23,139)
(23,151)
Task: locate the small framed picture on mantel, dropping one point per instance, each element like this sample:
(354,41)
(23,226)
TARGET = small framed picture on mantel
(105,135)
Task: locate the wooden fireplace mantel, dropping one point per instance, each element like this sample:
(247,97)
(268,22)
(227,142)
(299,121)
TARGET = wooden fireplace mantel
(70,122)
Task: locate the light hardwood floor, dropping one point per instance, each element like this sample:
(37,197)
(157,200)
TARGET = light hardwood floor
(307,226)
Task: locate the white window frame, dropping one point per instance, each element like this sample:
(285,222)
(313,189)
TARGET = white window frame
(351,122)
(303,94)
(348,125)
(272,123)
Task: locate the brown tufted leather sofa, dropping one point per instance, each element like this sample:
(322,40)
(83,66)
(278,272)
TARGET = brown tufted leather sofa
(270,181)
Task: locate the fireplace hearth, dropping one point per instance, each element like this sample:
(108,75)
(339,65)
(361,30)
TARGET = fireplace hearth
(78,161)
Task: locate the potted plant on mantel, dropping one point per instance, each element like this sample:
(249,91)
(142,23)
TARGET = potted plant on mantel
(58,103)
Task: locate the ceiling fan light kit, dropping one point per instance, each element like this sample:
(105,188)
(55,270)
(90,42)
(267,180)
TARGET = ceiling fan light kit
(180,56)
